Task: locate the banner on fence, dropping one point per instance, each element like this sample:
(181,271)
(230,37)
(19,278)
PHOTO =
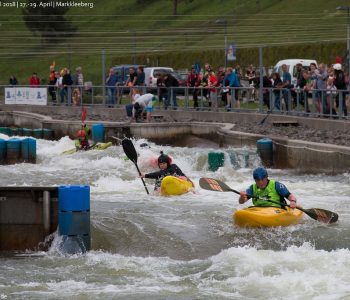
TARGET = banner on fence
(26,95)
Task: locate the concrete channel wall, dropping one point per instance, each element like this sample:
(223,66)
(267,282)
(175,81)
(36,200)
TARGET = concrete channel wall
(217,127)
(28,215)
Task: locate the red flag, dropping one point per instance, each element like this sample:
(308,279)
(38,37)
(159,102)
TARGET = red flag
(83,114)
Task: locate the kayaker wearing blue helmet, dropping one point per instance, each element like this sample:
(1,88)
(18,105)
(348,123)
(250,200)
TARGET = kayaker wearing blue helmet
(265,189)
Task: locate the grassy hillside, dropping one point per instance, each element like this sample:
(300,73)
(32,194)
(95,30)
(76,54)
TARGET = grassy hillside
(150,34)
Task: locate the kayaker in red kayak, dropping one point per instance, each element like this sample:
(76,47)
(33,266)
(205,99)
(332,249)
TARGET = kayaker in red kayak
(166,169)
(265,189)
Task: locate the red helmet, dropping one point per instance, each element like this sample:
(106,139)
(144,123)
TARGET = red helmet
(81,133)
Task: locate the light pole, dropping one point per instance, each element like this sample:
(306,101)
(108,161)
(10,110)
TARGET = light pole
(224,22)
(347,8)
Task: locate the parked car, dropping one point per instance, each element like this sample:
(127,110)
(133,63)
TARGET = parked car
(291,65)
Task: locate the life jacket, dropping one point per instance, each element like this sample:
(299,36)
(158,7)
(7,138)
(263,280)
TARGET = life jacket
(269,192)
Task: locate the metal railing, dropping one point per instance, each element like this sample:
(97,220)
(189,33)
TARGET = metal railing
(314,103)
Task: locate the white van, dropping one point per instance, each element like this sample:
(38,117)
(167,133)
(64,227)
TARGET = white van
(291,64)
(151,74)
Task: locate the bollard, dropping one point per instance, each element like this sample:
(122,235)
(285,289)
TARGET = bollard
(3,146)
(28,150)
(98,133)
(13,151)
(74,218)
(215,160)
(265,151)
(47,134)
(37,133)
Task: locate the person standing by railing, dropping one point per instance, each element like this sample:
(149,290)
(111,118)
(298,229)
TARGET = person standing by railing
(111,82)
(194,81)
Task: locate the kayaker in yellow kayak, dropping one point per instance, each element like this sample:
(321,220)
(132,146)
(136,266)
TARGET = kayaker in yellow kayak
(166,169)
(265,189)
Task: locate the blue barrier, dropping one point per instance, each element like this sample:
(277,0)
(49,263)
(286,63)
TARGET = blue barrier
(47,134)
(265,151)
(13,151)
(74,218)
(215,160)
(98,133)
(5,130)
(27,132)
(37,133)
(28,150)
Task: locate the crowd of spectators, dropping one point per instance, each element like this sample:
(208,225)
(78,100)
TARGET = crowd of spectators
(326,86)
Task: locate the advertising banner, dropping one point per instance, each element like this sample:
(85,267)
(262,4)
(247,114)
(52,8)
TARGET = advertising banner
(26,95)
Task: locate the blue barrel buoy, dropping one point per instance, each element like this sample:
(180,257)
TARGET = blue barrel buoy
(27,132)
(47,134)
(13,151)
(5,130)
(265,151)
(215,160)
(37,133)
(74,218)
(3,146)
(28,150)
(98,133)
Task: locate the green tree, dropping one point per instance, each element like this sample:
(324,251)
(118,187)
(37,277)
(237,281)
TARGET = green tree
(48,22)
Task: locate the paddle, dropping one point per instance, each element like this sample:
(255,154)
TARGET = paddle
(318,214)
(130,152)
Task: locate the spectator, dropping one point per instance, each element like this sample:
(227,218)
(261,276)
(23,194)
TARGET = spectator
(213,96)
(204,80)
(130,82)
(67,82)
(250,75)
(111,82)
(277,82)
(304,87)
(172,84)
(162,90)
(144,102)
(34,80)
(13,80)
(140,79)
(339,82)
(78,83)
(320,84)
(52,83)
(194,80)
(286,85)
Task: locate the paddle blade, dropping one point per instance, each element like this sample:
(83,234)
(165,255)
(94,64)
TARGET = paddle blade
(321,215)
(214,185)
(129,150)
(83,114)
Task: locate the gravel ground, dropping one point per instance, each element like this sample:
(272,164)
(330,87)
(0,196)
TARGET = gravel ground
(300,132)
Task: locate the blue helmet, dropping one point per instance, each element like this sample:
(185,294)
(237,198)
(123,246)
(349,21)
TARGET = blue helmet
(260,173)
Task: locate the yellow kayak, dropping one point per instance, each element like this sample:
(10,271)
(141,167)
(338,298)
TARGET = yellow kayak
(98,146)
(174,186)
(266,216)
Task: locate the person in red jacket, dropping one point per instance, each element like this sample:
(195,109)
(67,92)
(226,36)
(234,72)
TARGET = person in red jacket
(34,80)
